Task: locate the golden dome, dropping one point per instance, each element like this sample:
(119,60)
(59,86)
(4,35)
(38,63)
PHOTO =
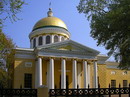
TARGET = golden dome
(50,21)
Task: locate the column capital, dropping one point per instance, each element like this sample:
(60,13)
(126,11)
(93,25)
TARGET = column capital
(51,57)
(40,56)
(63,58)
(94,60)
(85,60)
(74,59)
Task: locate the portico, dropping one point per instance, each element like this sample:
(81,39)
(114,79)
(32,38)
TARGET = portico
(74,62)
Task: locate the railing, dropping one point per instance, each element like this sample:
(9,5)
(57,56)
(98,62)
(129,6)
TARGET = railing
(18,92)
(90,92)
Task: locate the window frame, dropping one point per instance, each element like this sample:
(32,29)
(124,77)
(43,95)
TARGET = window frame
(40,42)
(27,80)
(56,38)
(113,83)
(62,38)
(34,42)
(48,39)
(125,83)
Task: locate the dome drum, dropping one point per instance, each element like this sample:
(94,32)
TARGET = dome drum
(50,30)
(46,39)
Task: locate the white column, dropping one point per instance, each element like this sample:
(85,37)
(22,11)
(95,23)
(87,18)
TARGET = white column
(85,70)
(37,41)
(59,38)
(51,76)
(52,38)
(74,74)
(63,74)
(43,40)
(89,75)
(39,72)
(95,75)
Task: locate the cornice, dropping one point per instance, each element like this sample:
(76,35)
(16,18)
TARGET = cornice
(59,53)
(23,49)
(67,52)
(24,53)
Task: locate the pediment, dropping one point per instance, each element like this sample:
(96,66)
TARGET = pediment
(69,46)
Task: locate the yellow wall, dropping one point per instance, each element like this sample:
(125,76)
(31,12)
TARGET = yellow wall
(118,76)
(44,72)
(57,73)
(104,73)
(20,69)
(69,73)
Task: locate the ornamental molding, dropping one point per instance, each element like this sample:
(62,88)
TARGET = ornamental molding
(64,54)
(67,52)
(112,66)
(25,56)
(23,49)
(24,53)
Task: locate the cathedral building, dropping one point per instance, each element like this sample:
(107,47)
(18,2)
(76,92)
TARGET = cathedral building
(55,61)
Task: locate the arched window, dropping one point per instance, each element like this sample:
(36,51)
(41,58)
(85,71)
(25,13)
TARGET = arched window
(55,38)
(62,39)
(34,42)
(48,39)
(40,40)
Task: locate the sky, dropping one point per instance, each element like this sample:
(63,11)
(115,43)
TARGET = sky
(66,10)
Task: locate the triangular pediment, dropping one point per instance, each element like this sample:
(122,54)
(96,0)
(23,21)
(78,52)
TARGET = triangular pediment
(69,46)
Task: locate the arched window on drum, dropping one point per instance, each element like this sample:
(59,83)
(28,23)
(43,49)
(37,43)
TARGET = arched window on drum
(55,38)
(40,40)
(48,39)
(34,42)
(62,39)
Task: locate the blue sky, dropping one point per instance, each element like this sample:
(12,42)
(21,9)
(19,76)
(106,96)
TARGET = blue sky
(66,10)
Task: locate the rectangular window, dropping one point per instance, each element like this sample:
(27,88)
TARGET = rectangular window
(124,83)
(113,83)
(27,80)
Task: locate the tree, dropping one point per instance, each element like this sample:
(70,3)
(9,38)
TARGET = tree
(7,59)
(110,26)
(9,10)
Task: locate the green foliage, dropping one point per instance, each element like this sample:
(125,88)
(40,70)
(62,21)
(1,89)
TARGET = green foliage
(7,54)
(9,9)
(110,26)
